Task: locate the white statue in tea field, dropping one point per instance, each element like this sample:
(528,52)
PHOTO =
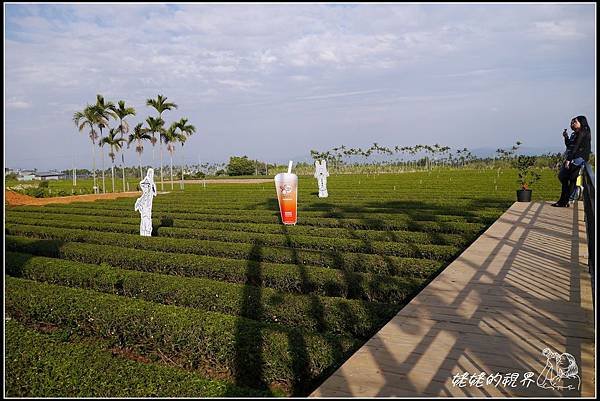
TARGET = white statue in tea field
(144,203)
(321,175)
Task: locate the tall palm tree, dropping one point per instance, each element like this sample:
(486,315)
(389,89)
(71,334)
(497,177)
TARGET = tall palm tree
(160,104)
(115,145)
(187,130)
(104,111)
(139,135)
(155,125)
(84,118)
(122,111)
(170,136)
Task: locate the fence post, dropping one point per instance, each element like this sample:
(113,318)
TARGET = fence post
(589,207)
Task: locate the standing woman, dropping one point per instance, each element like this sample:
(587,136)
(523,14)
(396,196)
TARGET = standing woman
(576,155)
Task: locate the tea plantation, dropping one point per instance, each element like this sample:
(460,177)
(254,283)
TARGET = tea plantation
(224,300)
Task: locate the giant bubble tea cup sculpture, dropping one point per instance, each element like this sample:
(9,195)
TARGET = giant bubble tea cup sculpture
(286,185)
(144,203)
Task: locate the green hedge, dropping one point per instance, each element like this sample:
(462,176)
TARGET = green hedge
(369,223)
(431,255)
(450,205)
(42,365)
(365,235)
(333,212)
(314,313)
(255,354)
(436,252)
(287,278)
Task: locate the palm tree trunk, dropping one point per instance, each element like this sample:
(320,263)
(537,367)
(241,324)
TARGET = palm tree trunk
(112,169)
(122,156)
(94,168)
(171,171)
(103,182)
(182,161)
(113,176)
(153,157)
(161,166)
(123,161)
(140,163)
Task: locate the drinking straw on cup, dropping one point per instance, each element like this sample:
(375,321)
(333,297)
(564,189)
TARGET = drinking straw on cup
(290,167)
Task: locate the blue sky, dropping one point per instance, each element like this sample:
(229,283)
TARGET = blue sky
(273,81)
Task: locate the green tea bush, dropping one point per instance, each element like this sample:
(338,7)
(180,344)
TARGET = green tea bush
(43,365)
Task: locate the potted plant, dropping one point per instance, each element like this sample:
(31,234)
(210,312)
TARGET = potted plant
(527,176)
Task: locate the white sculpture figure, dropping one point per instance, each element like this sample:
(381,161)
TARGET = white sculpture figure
(321,175)
(144,203)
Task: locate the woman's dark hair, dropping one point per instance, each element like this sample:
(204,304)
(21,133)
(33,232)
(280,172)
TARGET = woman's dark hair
(584,124)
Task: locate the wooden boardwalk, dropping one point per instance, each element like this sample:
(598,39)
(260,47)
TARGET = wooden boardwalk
(521,287)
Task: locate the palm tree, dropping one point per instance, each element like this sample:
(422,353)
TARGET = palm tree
(169,137)
(104,111)
(187,130)
(83,118)
(160,104)
(123,128)
(115,144)
(154,125)
(139,134)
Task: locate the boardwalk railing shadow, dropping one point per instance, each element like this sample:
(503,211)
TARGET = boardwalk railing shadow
(496,313)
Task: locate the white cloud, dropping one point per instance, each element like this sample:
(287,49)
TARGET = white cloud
(14,103)
(238,84)
(553,30)
(333,95)
(300,78)
(294,60)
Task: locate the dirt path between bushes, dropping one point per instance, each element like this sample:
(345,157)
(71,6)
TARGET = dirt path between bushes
(225,181)
(14,198)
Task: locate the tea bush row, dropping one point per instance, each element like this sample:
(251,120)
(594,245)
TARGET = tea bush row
(395,223)
(42,365)
(290,241)
(286,278)
(359,262)
(416,237)
(313,313)
(253,353)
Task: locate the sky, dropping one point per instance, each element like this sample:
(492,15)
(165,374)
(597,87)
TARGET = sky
(273,81)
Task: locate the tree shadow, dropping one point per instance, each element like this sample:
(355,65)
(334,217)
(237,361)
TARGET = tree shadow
(163,221)
(44,247)
(414,211)
(304,383)
(15,261)
(248,363)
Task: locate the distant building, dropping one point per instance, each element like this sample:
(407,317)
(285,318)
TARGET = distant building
(50,175)
(26,175)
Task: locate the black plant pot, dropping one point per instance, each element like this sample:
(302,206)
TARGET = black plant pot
(523,195)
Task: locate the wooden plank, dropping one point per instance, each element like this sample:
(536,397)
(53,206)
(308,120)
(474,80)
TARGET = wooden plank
(519,288)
